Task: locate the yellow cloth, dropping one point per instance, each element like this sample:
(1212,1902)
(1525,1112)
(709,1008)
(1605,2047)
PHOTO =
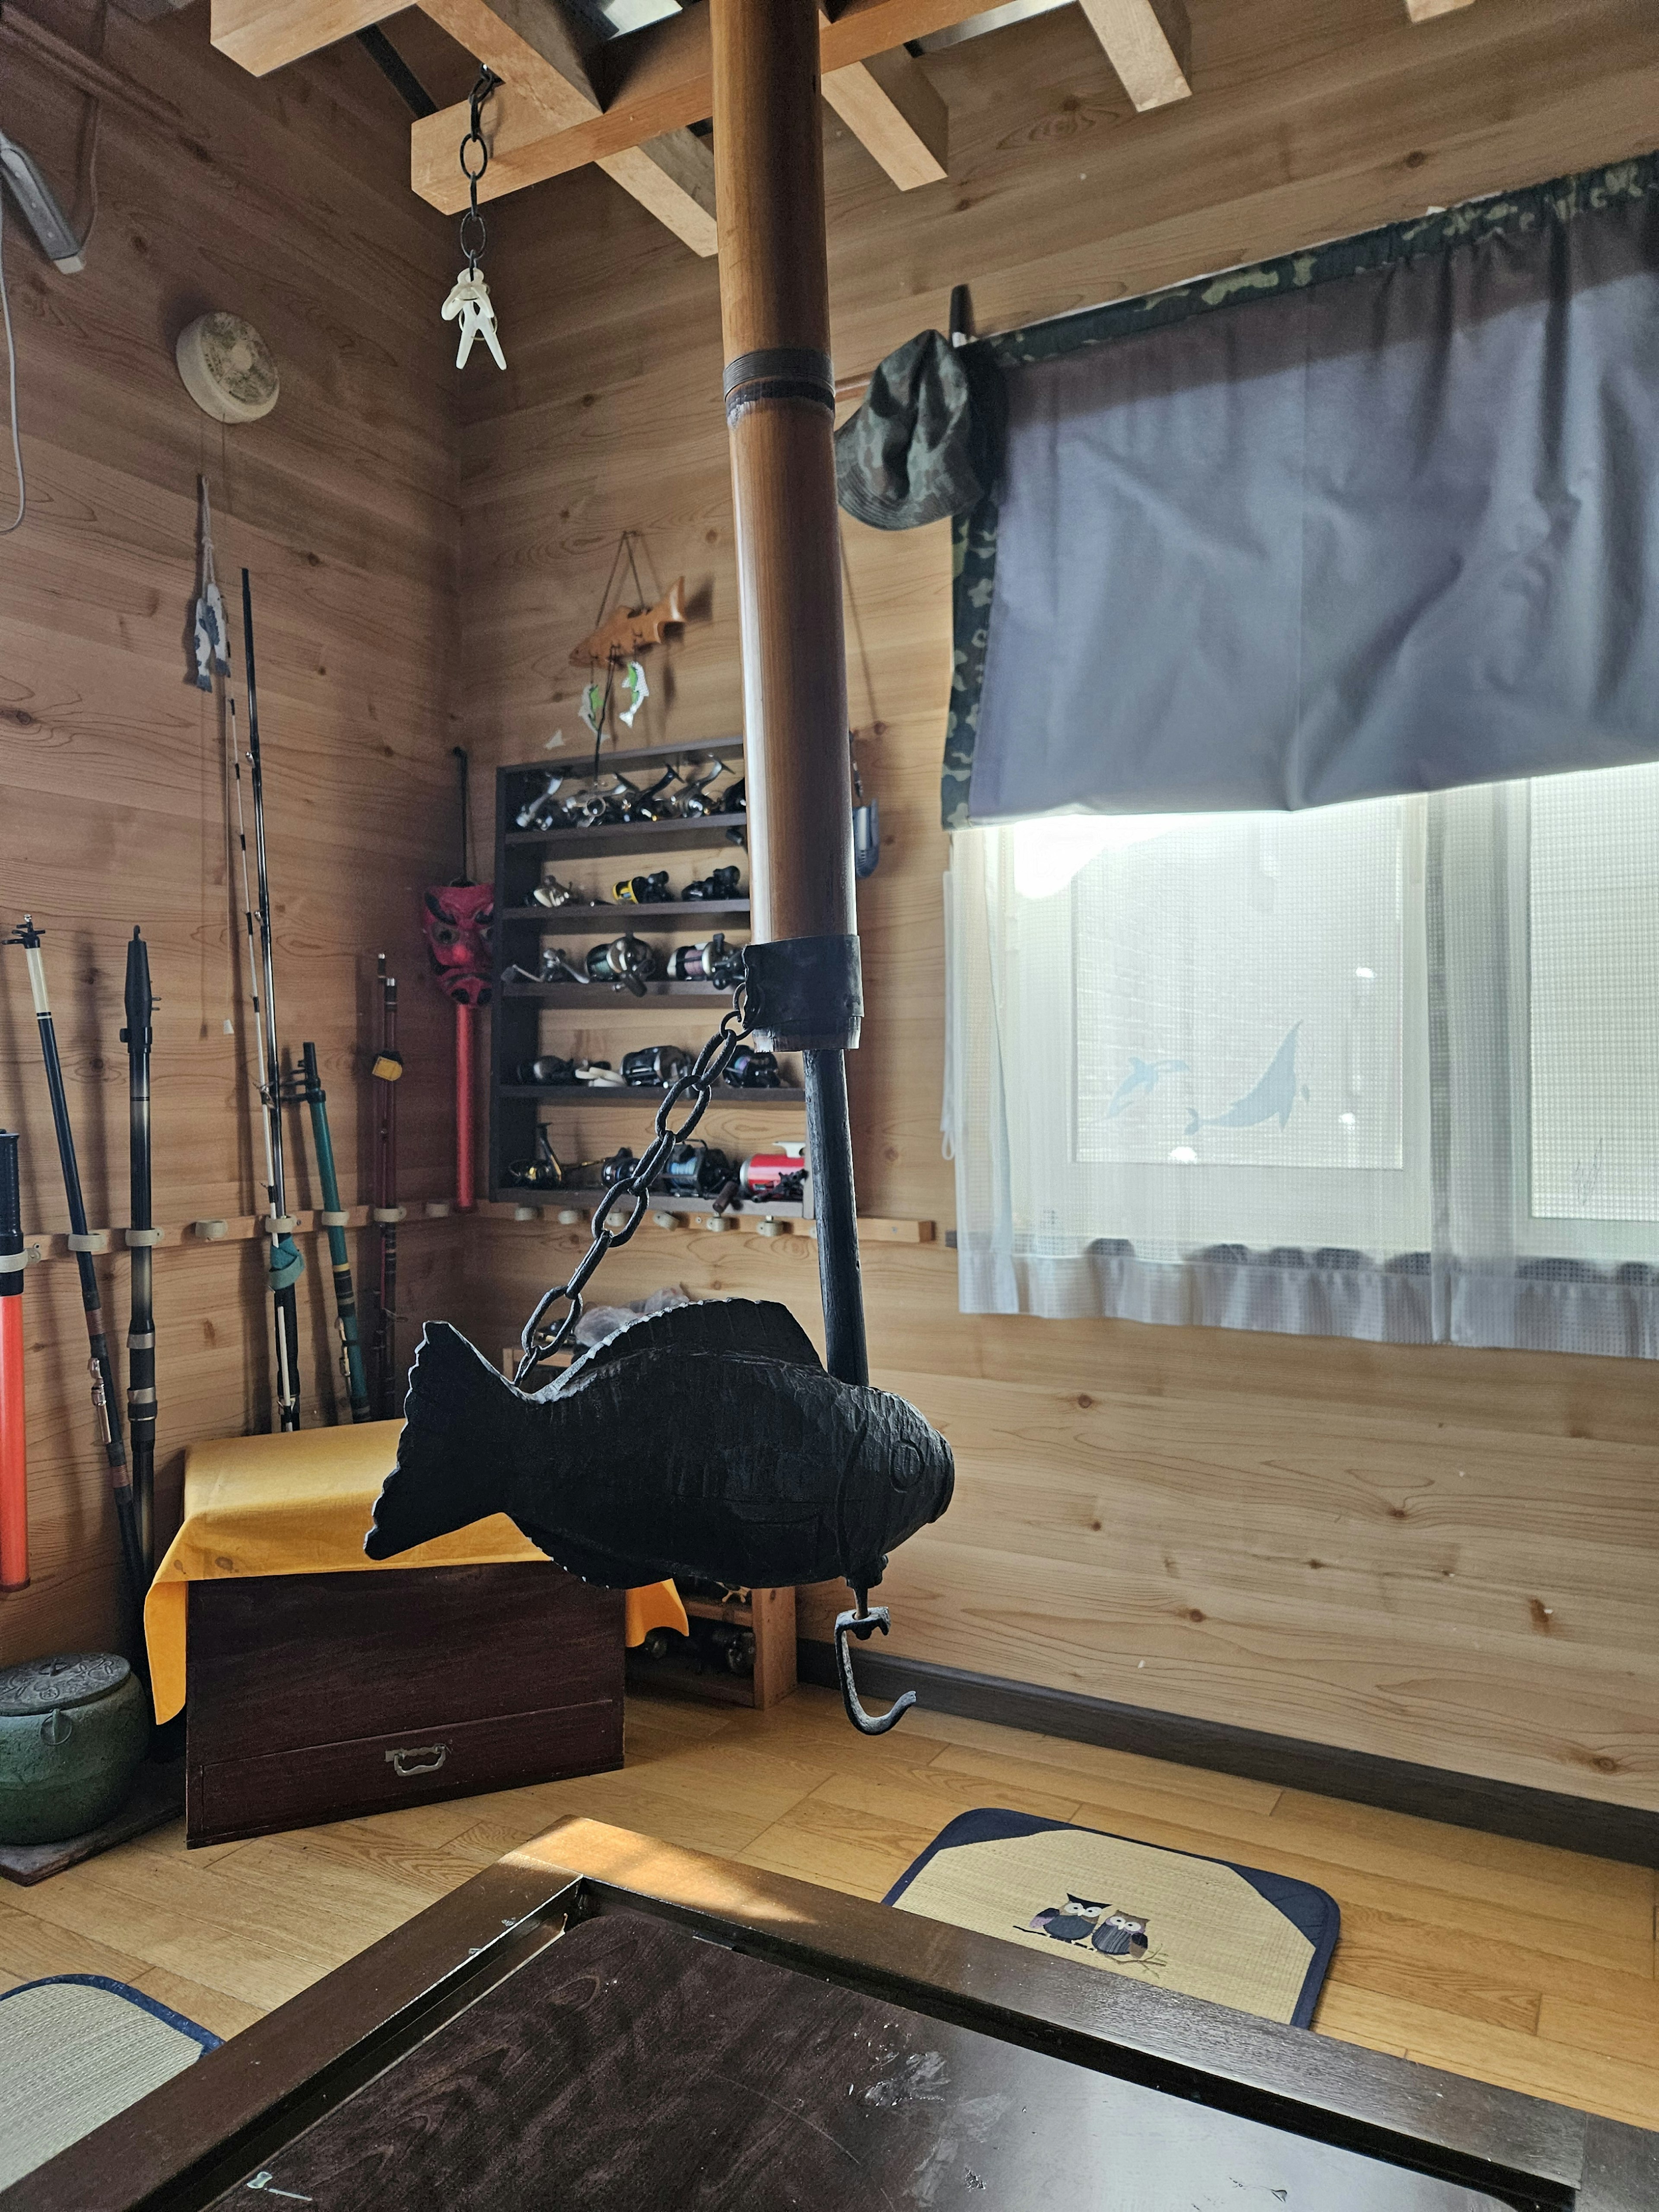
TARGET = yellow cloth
(300,1504)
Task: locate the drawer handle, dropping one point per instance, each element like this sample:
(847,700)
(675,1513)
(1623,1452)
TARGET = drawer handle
(423,1759)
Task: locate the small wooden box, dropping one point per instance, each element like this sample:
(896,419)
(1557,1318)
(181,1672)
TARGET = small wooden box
(318,1697)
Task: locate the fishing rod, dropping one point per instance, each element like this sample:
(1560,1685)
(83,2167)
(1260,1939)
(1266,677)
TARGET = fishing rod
(283,1263)
(143,1237)
(309,1092)
(14,1436)
(81,1243)
(387,1068)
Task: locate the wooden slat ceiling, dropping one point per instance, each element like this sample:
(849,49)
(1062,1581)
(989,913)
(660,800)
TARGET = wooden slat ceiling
(569,94)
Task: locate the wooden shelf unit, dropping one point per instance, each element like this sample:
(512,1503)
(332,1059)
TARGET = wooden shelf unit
(515,1108)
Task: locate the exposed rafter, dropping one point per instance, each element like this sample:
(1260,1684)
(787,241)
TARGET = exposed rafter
(532,47)
(1148,43)
(654,80)
(892,109)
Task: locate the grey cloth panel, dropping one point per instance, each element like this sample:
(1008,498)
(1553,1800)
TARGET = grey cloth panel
(1396,532)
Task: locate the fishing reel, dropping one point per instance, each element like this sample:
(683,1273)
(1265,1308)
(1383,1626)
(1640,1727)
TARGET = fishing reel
(655,1065)
(599,1075)
(696,1168)
(780,1175)
(753,1070)
(734,799)
(721,885)
(532,814)
(598,809)
(715,961)
(544,1172)
(694,801)
(617,1169)
(627,963)
(656,805)
(546,1072)
(555,966)
(643,890)
(732,1646)
(553,893)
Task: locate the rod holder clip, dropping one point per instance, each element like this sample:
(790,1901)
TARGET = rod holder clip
(137,1238)
(386,1215)
(332,1219)
(210,1232)
(91,1240)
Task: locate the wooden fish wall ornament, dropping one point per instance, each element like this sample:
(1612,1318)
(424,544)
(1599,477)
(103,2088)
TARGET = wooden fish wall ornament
(708,1441)
(627,632)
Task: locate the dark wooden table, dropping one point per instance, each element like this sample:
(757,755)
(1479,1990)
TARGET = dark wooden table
(603,2022)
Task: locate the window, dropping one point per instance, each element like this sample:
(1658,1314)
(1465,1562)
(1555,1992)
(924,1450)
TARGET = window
(1387,1070)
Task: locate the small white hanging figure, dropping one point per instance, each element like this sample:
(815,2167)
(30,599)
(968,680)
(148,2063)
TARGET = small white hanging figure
(470,299)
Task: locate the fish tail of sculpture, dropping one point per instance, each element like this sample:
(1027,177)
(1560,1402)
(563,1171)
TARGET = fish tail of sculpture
(456,1449)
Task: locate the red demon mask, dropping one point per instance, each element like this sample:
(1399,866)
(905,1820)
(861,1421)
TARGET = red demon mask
(457,919)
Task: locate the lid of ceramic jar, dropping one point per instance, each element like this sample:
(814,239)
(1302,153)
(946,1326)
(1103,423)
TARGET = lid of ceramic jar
(67,1678)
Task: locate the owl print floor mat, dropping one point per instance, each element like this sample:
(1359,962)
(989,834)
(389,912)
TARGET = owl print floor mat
(1235,1934)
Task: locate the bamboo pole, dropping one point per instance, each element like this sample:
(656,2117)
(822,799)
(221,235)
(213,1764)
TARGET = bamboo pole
(780,395)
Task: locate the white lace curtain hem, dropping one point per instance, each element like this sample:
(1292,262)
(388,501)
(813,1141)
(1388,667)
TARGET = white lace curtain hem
(1559,1308)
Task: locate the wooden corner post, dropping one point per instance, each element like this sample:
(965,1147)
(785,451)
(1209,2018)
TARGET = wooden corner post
(805,990)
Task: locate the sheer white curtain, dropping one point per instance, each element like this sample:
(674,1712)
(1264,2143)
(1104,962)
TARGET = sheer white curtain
(1387,1070)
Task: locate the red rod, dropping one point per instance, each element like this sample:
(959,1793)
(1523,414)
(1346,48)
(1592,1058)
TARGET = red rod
(463,1184)
(14,1446)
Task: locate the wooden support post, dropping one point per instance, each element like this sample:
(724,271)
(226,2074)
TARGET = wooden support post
(780,404)
(775,311)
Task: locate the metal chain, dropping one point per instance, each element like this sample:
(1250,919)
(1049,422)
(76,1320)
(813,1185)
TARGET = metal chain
(473,232)
(538,1343)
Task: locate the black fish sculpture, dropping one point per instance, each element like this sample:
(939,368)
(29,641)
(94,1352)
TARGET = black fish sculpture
(708,1441)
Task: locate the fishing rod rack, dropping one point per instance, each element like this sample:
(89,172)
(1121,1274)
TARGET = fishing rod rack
(45,1247)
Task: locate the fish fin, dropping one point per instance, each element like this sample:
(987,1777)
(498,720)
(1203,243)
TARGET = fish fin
(1194,1121)
(590,1562)
(760,1328)
(454,1450)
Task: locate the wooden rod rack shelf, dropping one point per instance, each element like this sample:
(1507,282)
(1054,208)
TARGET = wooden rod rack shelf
(235,1229)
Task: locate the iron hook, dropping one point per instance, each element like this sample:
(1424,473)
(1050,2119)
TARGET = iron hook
(859,1622)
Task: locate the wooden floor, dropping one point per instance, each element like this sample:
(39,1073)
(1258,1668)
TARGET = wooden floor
(1523,1965)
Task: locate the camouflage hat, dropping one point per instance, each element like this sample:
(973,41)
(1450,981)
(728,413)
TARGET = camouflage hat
(927,441)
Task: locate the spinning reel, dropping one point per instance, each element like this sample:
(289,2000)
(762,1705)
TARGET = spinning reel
(643,890)
(722,885)
(752,1070)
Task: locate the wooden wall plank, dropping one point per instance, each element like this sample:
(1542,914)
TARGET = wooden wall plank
(1485,1544)
(286,202)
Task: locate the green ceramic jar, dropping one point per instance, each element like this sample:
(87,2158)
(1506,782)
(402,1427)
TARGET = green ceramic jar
(73,1730)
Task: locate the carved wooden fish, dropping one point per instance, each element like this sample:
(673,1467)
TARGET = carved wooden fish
(706,1441)
(622,635)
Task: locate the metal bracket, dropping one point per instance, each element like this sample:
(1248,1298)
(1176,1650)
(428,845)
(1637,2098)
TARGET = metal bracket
(805,993)
(859,1622)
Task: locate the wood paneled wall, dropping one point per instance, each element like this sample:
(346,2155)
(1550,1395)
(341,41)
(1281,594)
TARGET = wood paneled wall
(1440,1555)
(286,202)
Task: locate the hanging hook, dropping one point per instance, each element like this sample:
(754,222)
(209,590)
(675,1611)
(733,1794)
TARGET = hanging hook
(861,1622)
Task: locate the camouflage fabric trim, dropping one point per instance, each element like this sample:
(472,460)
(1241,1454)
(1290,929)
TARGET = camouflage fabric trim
(974,537)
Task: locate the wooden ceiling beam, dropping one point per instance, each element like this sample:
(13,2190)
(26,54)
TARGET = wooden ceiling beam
(891,108)
(530,45)
(654,80)
(1148,43)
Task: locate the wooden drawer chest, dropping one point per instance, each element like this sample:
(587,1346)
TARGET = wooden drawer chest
(318,1697)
